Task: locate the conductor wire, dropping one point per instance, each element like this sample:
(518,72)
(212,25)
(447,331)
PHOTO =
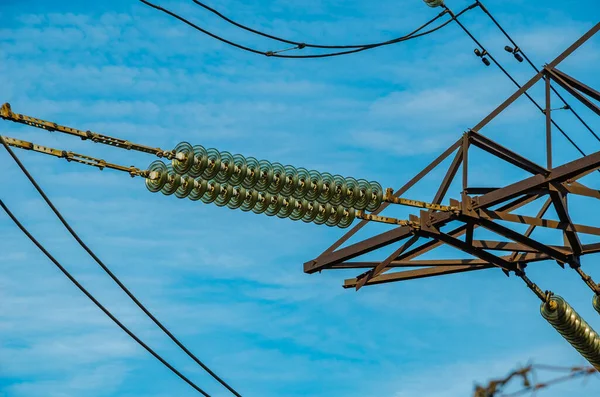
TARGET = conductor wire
(97,303)
(309,45)
(110,273)
(276,54)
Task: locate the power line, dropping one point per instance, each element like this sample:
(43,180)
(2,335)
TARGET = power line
(299,45)
(97,303)
(110,273)
(308,45)
(455,18)
(568,106)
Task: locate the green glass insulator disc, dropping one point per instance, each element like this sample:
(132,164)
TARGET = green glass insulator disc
(187,151)
(186,187)
(239,172)
(299,210)
(327,189)
(250,200)
(324,213)
(339,188)
(291,180)
(348,218)
(365,193)
(212,192)
(303,183)
(376,197)
(336,216)
(352,193)
(252,173)
(237,199)
(225,195)
(278,182)
(200,161)
(275,205)
(173,182)
(263,202)
(312,210)
(227,168)
(287,208)
(214,164)
(200,188)
(157,184)
(316,186)
(266,176)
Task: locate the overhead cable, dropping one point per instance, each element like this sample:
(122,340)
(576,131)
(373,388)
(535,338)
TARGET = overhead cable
(97,303)
(110,273)
(276,54)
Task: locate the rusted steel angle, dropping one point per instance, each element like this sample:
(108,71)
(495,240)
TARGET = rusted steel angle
(530,220)
(505,154)
(459,231)
(443,270)
(560,205)
(419,273)
(577,94)
(578,85)
(558,174)
(528,241)
(415,263)
(382,267)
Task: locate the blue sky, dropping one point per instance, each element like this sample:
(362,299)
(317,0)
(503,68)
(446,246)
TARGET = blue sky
(230,284)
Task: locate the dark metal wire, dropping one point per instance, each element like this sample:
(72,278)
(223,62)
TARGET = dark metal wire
(486,11)
(309,45)
(97,303)
(276,54)
(110,273)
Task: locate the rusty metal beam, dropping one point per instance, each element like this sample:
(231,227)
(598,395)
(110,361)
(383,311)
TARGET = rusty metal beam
(505,154)
(558,199)
(416,274)
(558,174)
(380,268)
(519,238)
(512,246)
(530,220)
(578,85)
(571,90)
(415,263)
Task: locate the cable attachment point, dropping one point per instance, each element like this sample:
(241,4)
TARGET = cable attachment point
(515,51)
(482,54)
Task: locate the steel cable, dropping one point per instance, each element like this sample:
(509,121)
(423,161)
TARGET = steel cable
(275,54)
(97,303)
(110,273)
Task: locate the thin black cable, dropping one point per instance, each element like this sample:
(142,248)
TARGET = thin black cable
(110,273)
(455,18)
(275,53)
(309,45)
(98,304)
(486,11)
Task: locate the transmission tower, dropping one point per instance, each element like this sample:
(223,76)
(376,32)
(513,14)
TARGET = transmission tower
(245,183)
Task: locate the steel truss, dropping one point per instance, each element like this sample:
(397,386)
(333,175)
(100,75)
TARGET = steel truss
(483,207)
